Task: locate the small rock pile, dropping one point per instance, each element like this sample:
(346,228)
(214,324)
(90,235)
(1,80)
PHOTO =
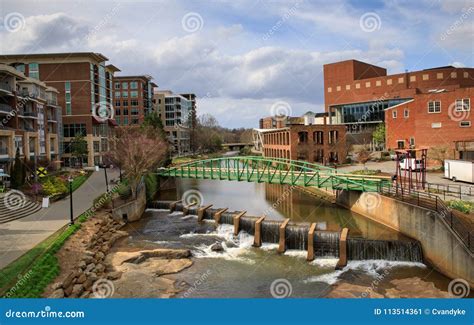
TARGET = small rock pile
(91,267)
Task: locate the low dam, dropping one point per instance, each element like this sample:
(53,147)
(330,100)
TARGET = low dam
(302,236)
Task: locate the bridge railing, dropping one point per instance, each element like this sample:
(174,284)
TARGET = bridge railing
(432,202)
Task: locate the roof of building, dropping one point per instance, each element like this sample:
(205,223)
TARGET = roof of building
(96,56)
(4,68)
(142,77)
(112,67)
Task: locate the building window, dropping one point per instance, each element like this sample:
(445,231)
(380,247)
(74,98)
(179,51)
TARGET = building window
(333,137)
(117,94)
(134,111)
(338,88)
(412,142)
(318,137)
(117,103)
(406,113)
(72,130)
(465,74)
(329,89)
(125,111)
(389,81)
(302,137)
(134,102)
(133,85)
(394,114)
(400,80)
(436,125)
(426,76)
(124,85)
(134,94)
(367,84)
(348,87)
(117,111)
(67,93)
(400,144)
(117,85)
(117,119)
(125,94)
(463,105)
(125,103)
(357,85)
(378,83)
(434,106)
(33,70)
(125,120)
(454,75)
(465,124)
(412,78)
(439,75)
(134,121)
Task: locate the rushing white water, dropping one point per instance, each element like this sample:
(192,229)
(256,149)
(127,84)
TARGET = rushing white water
(373,268)
(156,210)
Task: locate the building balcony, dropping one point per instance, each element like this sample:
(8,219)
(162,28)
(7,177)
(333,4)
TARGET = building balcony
(6,87)
(28,114)
(5,108)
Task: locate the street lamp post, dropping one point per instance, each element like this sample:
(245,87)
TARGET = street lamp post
(70,179)
(106,178)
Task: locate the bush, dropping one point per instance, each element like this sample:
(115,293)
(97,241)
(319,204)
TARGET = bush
(151,184)
(463,206)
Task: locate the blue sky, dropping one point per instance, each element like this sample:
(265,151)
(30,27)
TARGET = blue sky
(242,57)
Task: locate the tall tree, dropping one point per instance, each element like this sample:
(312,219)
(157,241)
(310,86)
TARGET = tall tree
(78,147)
(139,151)
(17,178)
(379,134)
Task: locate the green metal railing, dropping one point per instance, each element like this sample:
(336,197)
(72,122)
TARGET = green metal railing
(274,171)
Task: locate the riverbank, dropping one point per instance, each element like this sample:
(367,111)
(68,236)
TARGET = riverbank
(98,262)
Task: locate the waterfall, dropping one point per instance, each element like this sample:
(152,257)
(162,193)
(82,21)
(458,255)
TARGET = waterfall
(159,204)
(393,250)
(228,217)
(297,237)
(326,243)
(248,225)
(270,231)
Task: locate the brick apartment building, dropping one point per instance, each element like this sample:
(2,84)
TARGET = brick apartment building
(420,109)
(30,119)
(304,138)
(85,85)
(176,113)
(133,98)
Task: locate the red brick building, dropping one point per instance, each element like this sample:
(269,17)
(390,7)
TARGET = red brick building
(85,84)
(303,139)
(133,98)
(422,108)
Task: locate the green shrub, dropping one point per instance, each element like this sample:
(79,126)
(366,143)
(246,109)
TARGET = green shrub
(151,184)
(460,205)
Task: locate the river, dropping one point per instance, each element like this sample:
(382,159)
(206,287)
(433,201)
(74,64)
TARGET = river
(244,271)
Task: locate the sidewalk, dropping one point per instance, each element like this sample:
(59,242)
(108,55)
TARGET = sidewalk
(19,236)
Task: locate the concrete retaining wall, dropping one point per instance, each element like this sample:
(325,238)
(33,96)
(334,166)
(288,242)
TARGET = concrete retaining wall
(132,211)
(441,246)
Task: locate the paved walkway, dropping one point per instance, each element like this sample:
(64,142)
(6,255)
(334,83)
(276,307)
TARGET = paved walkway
(19,236)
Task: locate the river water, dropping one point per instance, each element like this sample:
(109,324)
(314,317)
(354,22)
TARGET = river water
(244,271)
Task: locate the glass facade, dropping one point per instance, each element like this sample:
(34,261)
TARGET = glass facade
(363,112)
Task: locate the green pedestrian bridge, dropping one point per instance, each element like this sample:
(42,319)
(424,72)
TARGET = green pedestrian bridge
(275,171)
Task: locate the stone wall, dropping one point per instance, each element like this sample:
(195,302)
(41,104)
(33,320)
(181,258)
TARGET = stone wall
(133,210)
(441,246)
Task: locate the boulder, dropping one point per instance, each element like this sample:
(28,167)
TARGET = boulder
(58,293)
(77,289)
(82,278)
(217,247)
(114,275)
(56,286)
(68,280)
